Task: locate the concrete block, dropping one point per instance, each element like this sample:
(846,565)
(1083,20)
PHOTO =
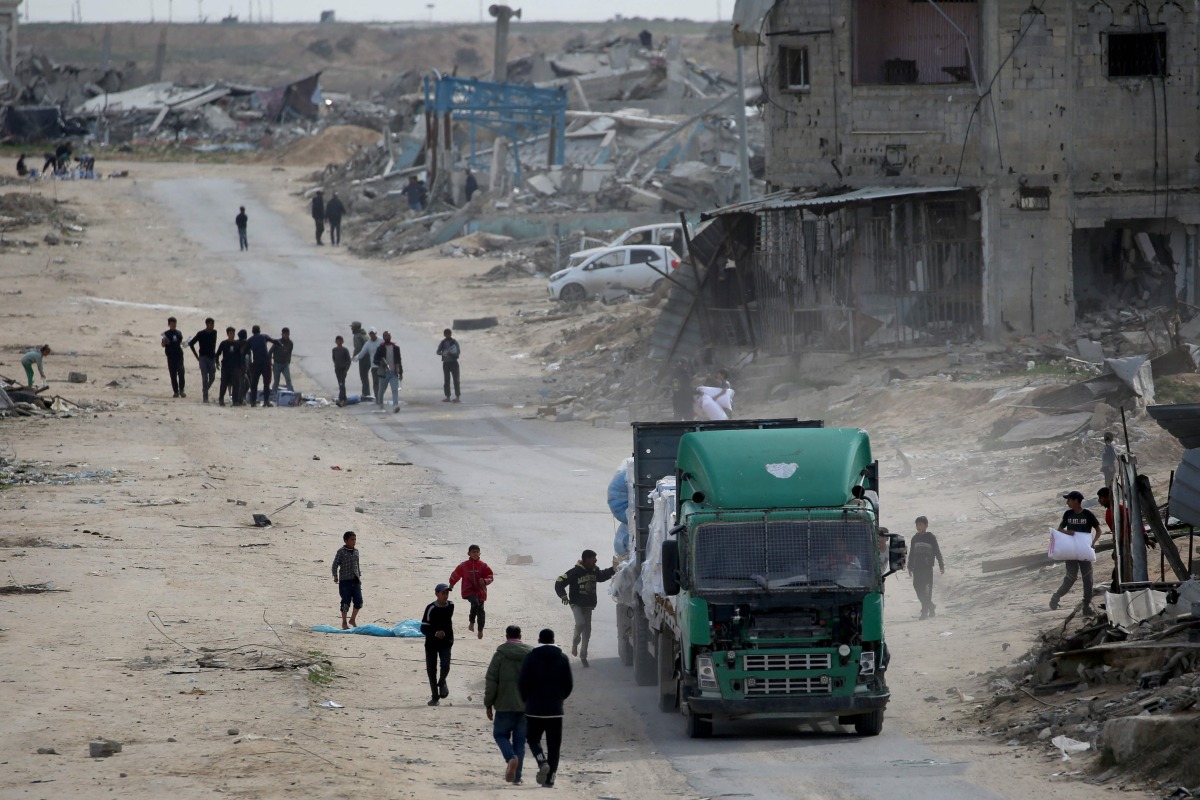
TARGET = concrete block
(1129,740)
(425,511)
(542,184)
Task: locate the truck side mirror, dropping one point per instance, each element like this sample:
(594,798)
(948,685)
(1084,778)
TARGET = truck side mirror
(670,567)
(897,552)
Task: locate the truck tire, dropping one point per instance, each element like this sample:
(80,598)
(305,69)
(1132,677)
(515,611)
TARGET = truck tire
(870,724)
(699,727)
(645,671)
(668,683)
(624,634)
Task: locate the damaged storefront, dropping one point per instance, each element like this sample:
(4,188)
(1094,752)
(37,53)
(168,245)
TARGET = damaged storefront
(849,270)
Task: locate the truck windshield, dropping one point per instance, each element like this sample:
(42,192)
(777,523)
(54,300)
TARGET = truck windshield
(793,555)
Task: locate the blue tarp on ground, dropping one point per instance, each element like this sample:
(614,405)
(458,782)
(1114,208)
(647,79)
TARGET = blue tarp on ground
(409,629)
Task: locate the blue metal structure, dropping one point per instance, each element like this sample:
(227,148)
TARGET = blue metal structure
(517,112)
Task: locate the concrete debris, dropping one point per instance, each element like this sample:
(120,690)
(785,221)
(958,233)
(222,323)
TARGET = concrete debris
(1049,427)
(648,133)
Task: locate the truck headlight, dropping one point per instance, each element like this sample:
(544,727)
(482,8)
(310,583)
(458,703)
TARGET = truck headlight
(866,663)
(706,673)
(844,651)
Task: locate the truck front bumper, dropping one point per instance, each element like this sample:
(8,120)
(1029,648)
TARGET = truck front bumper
(776,707)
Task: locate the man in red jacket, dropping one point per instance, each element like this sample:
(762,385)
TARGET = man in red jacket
(475,575)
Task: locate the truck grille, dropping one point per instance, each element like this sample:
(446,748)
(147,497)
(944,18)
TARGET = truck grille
(783,686)
(787,661)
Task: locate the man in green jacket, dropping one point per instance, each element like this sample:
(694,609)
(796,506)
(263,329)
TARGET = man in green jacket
(503,701)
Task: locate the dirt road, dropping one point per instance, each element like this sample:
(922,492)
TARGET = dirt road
(89,663)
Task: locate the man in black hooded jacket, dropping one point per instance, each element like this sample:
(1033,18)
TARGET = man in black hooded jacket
(544,683)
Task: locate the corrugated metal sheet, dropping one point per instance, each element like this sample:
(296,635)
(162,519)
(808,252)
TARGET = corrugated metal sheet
(1181,421)
(1185,491)
(777,201)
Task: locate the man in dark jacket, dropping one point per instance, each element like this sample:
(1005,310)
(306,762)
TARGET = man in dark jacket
(577,588)
(437,625)
(502,695)
(334,211)
(389,367)
(172,342)
(341,367)
(229,352)
(281,358)
(544,683)
(260,365)
(318,214)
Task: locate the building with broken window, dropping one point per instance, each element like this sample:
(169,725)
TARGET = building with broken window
(962,168)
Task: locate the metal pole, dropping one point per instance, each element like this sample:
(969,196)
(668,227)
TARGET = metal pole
(740,110)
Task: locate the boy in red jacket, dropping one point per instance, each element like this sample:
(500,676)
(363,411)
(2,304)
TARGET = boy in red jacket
(475,576)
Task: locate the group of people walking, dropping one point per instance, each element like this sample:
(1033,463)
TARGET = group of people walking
(526,685)
(245,361)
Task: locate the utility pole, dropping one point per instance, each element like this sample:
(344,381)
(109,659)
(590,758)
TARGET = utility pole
(744,144)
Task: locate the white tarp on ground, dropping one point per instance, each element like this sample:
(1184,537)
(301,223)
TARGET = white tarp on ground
(663,519)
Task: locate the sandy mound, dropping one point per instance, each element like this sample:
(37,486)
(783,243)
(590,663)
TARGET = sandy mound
(334,145)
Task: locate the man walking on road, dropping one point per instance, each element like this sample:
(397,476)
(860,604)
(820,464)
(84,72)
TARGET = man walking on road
(545,682)
(366,355)
(502,700)
(281,358)
(207,339)
(172,342)
(449,350)
(390,370)
(1076,521)
(318,214)
(357,340)
(577,588)
(437,623)
(334,211)
(241,220)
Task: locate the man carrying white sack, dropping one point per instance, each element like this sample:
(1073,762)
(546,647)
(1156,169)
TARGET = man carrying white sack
(1077,521)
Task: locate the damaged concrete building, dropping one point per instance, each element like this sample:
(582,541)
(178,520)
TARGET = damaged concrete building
(958,169)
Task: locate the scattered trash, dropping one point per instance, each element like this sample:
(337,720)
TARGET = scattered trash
(261,521)
(517,560)
(232,732)
(47,751)
(30,588)
(1066,745)
(408,629)
(330,704)
(425,511)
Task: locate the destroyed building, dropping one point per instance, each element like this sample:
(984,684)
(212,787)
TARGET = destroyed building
(9,19)
(945,171)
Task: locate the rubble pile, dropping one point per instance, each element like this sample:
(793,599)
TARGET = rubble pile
(1129,695)
(648,134)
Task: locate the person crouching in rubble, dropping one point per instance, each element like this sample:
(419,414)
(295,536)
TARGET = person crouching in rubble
(22,170)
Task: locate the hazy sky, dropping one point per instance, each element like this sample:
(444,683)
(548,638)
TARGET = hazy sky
(359,10)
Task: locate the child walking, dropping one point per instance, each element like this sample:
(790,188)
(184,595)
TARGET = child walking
(348,577)
(476,576)
(437,623)
(923,550)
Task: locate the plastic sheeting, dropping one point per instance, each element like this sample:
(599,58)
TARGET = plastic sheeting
(662,498)
(620,503)
(1128,609)
(408,629)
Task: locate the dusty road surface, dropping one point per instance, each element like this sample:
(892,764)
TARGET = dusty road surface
(183,632)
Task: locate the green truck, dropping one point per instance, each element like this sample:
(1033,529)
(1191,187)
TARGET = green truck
(753,587)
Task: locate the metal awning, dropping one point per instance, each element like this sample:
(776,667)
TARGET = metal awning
(817,198)
(1181,421)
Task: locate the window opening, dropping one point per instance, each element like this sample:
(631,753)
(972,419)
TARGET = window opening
(1137,55)
(794,69)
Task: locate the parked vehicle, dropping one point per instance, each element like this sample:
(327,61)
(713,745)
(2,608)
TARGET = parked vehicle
(635,269)
(668,234)
(753,587)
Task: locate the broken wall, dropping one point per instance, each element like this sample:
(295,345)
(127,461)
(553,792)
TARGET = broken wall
(1070,134)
